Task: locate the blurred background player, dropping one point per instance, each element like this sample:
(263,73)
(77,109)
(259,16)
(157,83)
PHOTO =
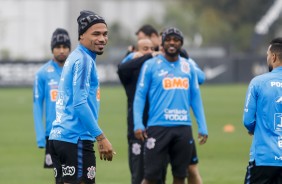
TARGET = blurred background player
(144,46)
(145,31)
(45,91)
(128,72)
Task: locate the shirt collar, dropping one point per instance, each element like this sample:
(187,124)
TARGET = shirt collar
(89,52)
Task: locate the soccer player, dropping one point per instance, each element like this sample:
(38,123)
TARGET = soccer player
(262,119)
(76,126)
(45,91)
(128,71)
(172,88)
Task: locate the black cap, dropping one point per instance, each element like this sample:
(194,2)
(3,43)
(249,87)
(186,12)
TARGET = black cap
(86,19)
(172,31)
(60,36)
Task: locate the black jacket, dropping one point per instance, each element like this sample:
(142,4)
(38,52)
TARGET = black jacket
(128,73)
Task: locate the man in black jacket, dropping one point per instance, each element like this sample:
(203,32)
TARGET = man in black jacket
(128,73)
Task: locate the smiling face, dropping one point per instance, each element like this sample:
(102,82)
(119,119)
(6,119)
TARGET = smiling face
(172,46)
(95,38)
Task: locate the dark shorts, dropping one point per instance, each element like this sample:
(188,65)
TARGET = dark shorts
(47,158)
(73,163)
(263,174)
(163,142)
(135,158)
(136,163)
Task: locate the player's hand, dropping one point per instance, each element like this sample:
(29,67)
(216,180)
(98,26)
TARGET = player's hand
(130,48)
(105,148)
(137,55)
(140,134)
(202,139)
(155,53)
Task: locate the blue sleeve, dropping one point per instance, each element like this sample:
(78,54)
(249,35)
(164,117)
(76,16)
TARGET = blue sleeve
(38,102)
(81,81)
(200,73)
(142,88)
(197,104)
(87,118)
(249,116)
(128,58)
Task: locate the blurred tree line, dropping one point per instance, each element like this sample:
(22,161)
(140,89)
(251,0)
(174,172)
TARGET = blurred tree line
(215,23)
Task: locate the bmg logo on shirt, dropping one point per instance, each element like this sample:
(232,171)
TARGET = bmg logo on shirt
(175,83)
(53,94)
(98,94)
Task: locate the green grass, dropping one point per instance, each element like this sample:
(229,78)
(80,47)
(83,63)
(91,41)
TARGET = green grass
(223,158)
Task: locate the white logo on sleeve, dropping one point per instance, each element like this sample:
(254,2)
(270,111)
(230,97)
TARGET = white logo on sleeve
(279,100)
(278,121)
(136,149)
(151,142)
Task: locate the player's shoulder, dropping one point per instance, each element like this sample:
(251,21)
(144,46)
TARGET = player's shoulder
(75,55)
(187,63)
(262,77)
(45,68)
(128,57)
(151,61)
(260,80)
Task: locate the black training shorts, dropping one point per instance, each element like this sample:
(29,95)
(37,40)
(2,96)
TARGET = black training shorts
(73,163)
(263,174)
(175,142)
(48,163)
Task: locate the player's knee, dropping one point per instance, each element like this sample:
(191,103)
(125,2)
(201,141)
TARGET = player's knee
(193,170)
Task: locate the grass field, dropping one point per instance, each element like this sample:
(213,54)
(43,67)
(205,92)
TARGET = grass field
(223,158)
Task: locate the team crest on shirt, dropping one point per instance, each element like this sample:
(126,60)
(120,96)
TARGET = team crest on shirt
(50,69)
(91,172)
(136,149)
(185,68)
(151,142)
